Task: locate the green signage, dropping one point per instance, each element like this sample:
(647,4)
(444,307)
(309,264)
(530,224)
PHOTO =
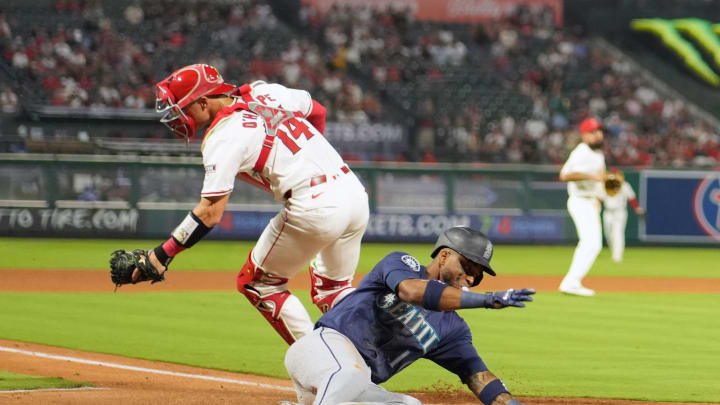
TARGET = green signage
(703,34)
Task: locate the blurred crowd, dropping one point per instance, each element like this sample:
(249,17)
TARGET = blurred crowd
(509,91)
(563,76)
(80,61)
(94,60)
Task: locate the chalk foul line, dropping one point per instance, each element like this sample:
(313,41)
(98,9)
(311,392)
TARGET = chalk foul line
(144,369)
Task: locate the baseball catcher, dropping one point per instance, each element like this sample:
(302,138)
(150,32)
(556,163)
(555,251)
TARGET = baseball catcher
(133,267)
(271,137)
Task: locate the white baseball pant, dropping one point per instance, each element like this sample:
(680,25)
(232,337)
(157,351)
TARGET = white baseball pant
(323,223)
(585,213)
(614,222)
(327,369)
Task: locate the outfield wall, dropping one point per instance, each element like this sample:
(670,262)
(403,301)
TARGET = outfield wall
(146,197)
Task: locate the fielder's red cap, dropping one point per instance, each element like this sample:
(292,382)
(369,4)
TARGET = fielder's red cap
(590,124)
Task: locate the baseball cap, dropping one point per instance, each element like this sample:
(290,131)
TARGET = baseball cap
(590,124)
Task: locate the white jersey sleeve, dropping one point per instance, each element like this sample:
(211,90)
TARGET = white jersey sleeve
(277,95)
(574,164)
(225,153)
(628,191)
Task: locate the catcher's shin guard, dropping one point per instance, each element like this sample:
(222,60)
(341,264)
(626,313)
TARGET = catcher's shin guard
(270,305)
(325,293)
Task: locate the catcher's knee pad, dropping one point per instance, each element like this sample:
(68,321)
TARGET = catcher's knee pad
(325,293)
(246,274)
(252,273)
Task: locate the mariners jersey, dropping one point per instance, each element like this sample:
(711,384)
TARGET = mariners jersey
(391,334)
(587,161)
(233,142)
(619,200)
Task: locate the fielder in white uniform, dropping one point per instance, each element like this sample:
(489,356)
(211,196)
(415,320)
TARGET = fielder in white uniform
(271,137)
(615,215)
(584,172)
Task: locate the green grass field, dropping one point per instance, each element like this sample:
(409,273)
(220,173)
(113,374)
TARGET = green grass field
(89,254)
(12,381)
(644,346)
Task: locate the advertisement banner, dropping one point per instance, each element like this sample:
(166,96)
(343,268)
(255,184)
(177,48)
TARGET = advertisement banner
(470,11)
(241,225)
(62,222)
(700,31)
(682,206)
(248,225)
(499,228)
(419,227)
(366,137)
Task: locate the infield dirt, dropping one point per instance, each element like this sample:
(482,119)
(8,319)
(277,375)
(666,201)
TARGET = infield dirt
(99,281)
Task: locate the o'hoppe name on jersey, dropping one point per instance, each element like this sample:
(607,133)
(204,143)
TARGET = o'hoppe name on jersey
(411,317)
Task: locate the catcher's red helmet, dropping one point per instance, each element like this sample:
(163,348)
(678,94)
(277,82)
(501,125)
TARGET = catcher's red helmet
(181,88)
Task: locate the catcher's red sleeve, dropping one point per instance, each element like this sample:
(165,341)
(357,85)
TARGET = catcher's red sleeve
(634,204)
(317,116)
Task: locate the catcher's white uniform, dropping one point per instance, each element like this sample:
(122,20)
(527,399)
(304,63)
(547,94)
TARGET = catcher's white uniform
(325,210)
(584,208)
(615,219)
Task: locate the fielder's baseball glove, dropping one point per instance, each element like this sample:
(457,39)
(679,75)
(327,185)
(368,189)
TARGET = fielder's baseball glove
(122,265)
(612,184)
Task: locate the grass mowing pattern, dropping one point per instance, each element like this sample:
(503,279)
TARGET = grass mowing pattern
(89,254)
(12,381)
(615,345)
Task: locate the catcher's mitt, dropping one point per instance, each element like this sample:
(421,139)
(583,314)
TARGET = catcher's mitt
(612,184)
(123,264)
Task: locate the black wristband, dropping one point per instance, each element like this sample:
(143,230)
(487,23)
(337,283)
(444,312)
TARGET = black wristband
(190,231)
(162,255)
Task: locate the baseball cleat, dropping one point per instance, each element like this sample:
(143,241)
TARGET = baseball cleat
(287,403)
(577,290)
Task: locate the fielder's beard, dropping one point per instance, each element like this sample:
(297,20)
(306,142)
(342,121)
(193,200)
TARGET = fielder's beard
(595,146)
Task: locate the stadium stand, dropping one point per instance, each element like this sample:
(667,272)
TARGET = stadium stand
(510,91)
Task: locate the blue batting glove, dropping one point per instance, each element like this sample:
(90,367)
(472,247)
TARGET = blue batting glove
(509,298)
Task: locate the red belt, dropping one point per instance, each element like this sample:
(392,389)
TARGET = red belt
(317,180)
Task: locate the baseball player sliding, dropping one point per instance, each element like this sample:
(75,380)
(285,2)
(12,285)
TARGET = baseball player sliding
(400,312)
(271,137)
(618,193)
(584,171)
